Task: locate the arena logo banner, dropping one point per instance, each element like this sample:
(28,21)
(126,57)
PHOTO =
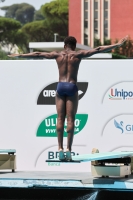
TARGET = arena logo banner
(119,125)
(119,92)
(47,128)
(47,95)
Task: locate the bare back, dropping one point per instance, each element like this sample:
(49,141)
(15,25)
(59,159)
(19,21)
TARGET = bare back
(68,65)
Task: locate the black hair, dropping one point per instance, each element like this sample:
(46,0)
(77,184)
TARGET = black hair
(71,41)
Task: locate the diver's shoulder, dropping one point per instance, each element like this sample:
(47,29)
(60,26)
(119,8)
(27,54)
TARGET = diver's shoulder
(67,52)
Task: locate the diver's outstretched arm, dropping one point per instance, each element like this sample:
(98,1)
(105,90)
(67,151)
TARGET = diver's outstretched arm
(51,55)
(100,49)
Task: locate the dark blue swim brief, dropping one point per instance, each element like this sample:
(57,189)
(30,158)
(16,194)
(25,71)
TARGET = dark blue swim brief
(66,89)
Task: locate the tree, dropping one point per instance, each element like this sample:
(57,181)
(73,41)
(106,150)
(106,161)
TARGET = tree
(38,31)
(3,55)
(8,30)
(126,49)
(21,40)
(11,34)
(97,42)
(23,12)
(107,42)
(118,56)
(56,13)
(38,15)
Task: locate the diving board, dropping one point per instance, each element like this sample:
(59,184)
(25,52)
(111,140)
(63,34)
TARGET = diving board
(63,161)
(97,156)
(101,156)
(105,164)
(9,151)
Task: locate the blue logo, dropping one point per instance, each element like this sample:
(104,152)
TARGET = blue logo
(128,128)
(119,125)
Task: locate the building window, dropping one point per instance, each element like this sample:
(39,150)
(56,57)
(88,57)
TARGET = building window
(86,22)
(96,18)
(105,4)
(105,33)
(96,14)
(85,39)
(86,5)
(96,5)
(106,14)
(106,18)
(86,15)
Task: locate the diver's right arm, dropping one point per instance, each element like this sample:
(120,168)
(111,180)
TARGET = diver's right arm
(51,55)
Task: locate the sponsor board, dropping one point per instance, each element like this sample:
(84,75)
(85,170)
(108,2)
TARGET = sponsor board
(119,125)
(52,153)
(47,127)
(122,148)
(47,95)
(125,127)
(122,91)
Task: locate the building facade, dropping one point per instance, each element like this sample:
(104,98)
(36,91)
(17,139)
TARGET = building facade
(100,19)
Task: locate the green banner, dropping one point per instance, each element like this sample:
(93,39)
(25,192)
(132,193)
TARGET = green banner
(47,128)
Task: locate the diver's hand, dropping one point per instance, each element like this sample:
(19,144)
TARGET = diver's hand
(14,55)
(121,42)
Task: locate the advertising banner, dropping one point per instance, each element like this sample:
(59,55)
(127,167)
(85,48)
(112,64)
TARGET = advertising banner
(28,116)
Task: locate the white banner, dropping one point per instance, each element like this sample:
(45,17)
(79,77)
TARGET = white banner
(28,116)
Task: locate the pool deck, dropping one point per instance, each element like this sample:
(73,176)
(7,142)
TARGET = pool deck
(48,179)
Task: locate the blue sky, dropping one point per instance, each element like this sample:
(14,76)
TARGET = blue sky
(36,3)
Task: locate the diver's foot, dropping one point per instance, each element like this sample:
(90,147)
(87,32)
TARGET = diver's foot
(61,155)
(68,155)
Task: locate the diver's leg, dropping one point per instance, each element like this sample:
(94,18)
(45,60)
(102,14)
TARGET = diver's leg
(71,109)
(61,111)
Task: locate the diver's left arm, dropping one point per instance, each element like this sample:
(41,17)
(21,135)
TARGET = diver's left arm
(101,49)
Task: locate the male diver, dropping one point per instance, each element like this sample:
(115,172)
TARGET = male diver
(68,62)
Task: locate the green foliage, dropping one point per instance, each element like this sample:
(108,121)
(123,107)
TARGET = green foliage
(122,52)
(8,24)
(38,15)
(11,34)
(38,31)
(107,42)
(51,18)
(118,56)
(22,12)
(116,50)
(56,9)
(21,40)
(126,49)
(97,42)
(3,56)
(56,13)
(8,30)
